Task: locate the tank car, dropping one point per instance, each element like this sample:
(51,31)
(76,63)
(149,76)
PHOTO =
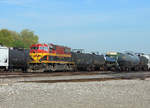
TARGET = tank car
(12,58)
(128,61)
(86,61)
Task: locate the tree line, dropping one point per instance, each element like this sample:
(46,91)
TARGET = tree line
(24,39)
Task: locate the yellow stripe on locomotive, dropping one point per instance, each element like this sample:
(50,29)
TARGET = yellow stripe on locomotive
(50,58)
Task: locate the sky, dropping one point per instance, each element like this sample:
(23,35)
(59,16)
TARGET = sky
(93,25)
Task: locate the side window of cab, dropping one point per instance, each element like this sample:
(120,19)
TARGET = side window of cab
(41,48)
(46,48)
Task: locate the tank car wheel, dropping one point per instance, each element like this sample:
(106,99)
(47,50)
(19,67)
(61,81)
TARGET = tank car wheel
(145,68)
(90,68)
(127,69)
(40,70)
(24,70)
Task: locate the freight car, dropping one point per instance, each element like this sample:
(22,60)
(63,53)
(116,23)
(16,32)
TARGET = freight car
(12,58)
(88,62)
(128,61)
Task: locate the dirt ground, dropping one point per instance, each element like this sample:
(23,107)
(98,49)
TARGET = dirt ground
(104,94)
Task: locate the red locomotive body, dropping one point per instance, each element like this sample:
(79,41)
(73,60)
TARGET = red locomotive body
(50,57)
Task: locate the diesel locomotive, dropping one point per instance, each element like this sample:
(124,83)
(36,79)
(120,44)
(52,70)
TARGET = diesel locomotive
(49,57)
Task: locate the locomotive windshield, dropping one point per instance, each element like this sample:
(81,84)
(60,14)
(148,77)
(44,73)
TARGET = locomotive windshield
(34,48)
(43,48)
(39,48)
(111,56)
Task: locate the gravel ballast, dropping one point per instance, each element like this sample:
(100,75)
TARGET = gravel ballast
(104,94)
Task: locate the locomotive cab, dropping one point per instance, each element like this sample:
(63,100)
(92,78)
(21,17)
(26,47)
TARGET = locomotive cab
(39,48)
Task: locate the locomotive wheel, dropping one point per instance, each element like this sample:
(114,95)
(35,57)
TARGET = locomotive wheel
(39,70)
(53,68)
(66,68)
(70,68)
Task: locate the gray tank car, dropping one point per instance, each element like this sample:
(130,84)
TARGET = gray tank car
(89,62)
(128,61)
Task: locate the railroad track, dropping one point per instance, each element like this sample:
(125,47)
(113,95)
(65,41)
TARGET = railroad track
(49,74)
(54,74)
(127,76)
(71,77)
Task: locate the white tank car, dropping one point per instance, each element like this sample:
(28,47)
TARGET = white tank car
(4,57)
(148,57)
